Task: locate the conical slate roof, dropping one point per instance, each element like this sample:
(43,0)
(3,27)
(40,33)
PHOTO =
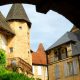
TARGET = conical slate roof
(4,25)
(69,36)
(17,12)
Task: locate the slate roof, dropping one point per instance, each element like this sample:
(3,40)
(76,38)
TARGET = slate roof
(69,36)
(76,49)
(39,57)
(17,12)
(77,33)
(4,25)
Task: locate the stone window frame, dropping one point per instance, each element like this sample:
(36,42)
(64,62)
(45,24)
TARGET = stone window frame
(11,49)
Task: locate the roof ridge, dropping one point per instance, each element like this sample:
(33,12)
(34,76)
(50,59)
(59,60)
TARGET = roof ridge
(4,24)
(40,47)
(17,12)
(68,36)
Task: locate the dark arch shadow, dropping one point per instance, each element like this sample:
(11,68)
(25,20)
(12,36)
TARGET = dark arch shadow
(68,8)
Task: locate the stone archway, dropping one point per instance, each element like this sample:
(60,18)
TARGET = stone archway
(68,8)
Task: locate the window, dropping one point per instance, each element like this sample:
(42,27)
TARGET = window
(55,55)
(20,27)
(63,53)
(39,70)
(57,72)
(71,68)
(66,69)
(75,66)
(11,49)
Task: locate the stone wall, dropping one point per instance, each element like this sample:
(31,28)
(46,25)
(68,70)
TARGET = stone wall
(20,43)
(40,73)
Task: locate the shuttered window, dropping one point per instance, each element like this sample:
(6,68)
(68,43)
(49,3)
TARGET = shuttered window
(11,49)
(57,72)
(75,66)
(70,66)
(66,69)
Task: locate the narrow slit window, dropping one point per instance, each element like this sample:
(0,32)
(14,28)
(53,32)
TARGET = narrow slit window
(20,27)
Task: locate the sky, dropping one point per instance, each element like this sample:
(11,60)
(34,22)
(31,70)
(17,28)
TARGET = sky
(46,28)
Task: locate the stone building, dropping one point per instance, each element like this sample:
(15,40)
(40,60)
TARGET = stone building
(39,63)
(15,39)
(64,57)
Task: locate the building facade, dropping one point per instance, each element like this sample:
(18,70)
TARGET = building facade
(15,39)
(64,57)
(39,64)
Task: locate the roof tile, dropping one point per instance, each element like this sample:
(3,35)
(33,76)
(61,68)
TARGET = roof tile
(39,57)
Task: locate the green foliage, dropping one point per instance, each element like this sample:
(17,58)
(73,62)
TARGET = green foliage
(2,57)
(3,70)
(8,75)
(14,76)
(38,79)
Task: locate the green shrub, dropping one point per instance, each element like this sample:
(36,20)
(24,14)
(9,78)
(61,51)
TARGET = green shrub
(2,57)
(14,76)
(3,70)
(8,75)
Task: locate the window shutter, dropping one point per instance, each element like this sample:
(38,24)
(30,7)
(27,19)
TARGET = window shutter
(75,66)
(71,68)
(66,69)
(57,73)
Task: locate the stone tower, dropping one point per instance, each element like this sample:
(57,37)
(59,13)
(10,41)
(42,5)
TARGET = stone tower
(19,45)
